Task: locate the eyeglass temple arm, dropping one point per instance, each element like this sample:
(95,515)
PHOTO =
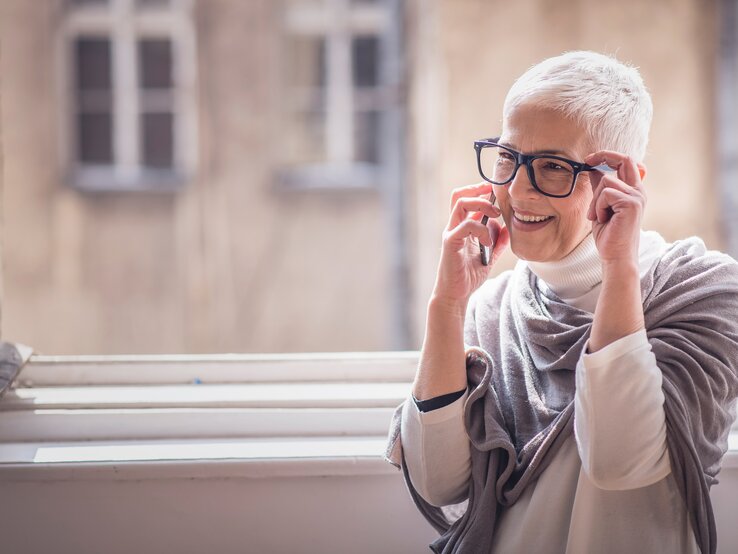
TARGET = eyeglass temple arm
(602,167)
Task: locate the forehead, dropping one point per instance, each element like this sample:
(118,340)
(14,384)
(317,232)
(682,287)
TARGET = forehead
(532,128)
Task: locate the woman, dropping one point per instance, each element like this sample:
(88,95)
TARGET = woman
(582,401)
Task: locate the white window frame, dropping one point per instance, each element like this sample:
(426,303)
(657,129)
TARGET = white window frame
(726,123)
(727,120)
(124,24)
(338,21)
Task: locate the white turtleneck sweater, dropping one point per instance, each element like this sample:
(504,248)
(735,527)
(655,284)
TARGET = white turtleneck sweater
(615,469)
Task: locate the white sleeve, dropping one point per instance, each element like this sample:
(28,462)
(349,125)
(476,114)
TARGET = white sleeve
(436,449)
(619,418)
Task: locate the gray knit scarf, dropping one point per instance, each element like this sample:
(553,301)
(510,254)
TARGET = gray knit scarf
(522,349)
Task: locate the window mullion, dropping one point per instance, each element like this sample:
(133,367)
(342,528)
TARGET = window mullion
(126,102)
(339,90)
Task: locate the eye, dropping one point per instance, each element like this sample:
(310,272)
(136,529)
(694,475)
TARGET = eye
(551,165)
(505,158)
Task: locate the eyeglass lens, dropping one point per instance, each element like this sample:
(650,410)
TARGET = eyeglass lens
(552,176)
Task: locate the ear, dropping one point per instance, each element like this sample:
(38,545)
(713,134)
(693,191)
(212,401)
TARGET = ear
(642,170)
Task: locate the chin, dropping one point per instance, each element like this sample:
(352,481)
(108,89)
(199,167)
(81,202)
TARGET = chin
(527,253)
(538,258)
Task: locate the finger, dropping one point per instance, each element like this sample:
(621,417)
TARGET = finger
(627,169)
(457,236)
(610,200)
(610,181)
(470,190)
(478,207)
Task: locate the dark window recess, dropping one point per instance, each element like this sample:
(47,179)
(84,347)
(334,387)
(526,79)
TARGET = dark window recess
(86,3)
(320,64)
(93,63)
(95,138)
(366,137)
(152,3)
(365,53)
(157,144)
(94,100)
(155,63)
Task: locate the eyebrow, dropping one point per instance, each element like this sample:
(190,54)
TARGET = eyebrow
(537,152)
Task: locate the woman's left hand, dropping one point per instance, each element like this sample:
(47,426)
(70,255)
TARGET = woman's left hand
(617,206)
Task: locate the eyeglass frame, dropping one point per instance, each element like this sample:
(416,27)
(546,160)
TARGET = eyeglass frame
(527,159)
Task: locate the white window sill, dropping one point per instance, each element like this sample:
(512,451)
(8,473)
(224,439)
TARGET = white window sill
(139,417)
(177,369)
(106,179)
(167,459)
(261,395)
(330,178)
(202,459)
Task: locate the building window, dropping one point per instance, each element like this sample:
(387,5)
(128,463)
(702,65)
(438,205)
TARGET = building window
(342,82)
(130,93)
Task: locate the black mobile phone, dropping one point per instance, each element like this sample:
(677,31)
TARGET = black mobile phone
(486,251)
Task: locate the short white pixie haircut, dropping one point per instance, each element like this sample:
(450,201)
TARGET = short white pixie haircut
(603,95)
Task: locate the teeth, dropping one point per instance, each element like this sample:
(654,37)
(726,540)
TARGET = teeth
(531,218)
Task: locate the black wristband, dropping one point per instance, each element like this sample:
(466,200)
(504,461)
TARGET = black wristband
(438,401)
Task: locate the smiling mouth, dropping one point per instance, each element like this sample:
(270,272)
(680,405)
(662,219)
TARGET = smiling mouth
(531,218)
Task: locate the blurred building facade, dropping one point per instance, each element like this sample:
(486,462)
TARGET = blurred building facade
(274,176)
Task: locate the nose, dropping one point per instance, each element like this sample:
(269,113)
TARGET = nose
(521,187)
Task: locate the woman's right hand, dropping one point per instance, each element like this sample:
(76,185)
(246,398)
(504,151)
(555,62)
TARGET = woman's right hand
(460,271)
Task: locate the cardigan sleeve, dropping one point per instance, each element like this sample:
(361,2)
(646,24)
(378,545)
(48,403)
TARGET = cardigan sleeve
(619,418)
(437,452)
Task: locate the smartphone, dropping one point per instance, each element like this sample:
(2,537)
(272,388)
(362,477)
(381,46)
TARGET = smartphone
(486,251)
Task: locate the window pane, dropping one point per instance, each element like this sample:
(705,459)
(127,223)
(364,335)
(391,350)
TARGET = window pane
(95,138)
(366,137)
(93,63)
(365,50)
(152,3)
(157,146)
(308,5)
(85,3)
(155,63)
(94,100)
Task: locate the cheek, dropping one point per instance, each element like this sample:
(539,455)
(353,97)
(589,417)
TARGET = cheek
(583,206)
(573,210)
(503,200)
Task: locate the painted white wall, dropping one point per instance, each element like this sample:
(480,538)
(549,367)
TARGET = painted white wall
(725,502)
(329,514)
(340,514)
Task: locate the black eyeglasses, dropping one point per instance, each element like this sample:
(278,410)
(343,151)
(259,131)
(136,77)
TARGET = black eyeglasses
(550,175)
